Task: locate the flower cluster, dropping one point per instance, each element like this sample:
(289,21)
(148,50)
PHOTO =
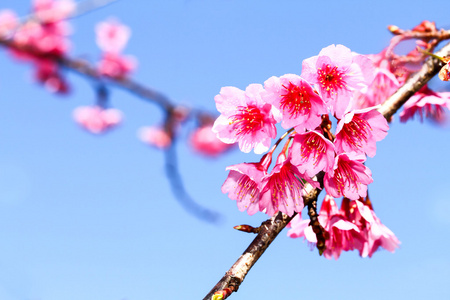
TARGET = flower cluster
(41,39)
(332,83)
(352,227)
(391,71)
(326,85)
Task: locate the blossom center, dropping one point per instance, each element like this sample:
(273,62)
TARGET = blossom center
(331,78)
(247,120)
(313,146)
(285,185)
(345,176)
(295,100)
(247,187)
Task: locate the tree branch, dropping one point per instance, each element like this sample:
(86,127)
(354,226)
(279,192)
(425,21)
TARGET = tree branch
(429,69)
(270,228)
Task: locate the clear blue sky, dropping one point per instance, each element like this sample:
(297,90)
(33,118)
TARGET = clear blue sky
(93,218)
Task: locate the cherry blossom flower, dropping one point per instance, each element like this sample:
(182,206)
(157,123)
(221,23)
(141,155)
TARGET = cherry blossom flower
(245,118)
(373,233)
(50,11)
(283,189)
(426,103)
(112,36)
(43,39)
(338,72)
(155,136)
(244,182)
(8,23)
(295,98)
(359,130)
(96,119)
(382,87)
(311,152)
(349,177)
(341,232)
(204,141)
(116,66)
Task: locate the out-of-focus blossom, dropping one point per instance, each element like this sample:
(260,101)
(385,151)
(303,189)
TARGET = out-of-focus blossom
(243,183)
(155,136)
(47,72)
(204,141)
(382,87)
(359,130)
(116,66)
(300,106)
(8,23)
(96,119)
(43,39)
(112,36)
(245,118)
(51,11)
(337,73)
(426,103)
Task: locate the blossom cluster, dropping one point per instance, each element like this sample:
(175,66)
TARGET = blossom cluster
(389,76)
(352,227)
(41,39)
(332,83)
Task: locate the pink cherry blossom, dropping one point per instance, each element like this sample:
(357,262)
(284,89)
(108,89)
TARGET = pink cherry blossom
(8,23)
(341,232)
(47,72)
(337,72)
(50,11)
(245,118)
(283,189)
(359,130)
(349,177)
(112,36)
(96,119)
(382,87)
(244,182)
(43,39)
(373,234)
(115,65)
(311,152)
(155,136)
(426,103)
(204,141)
(295,98)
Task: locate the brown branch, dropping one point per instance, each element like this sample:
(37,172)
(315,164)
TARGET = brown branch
(84,68)
(269,230)
(429,69)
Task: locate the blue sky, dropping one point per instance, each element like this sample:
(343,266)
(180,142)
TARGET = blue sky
(93,217)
